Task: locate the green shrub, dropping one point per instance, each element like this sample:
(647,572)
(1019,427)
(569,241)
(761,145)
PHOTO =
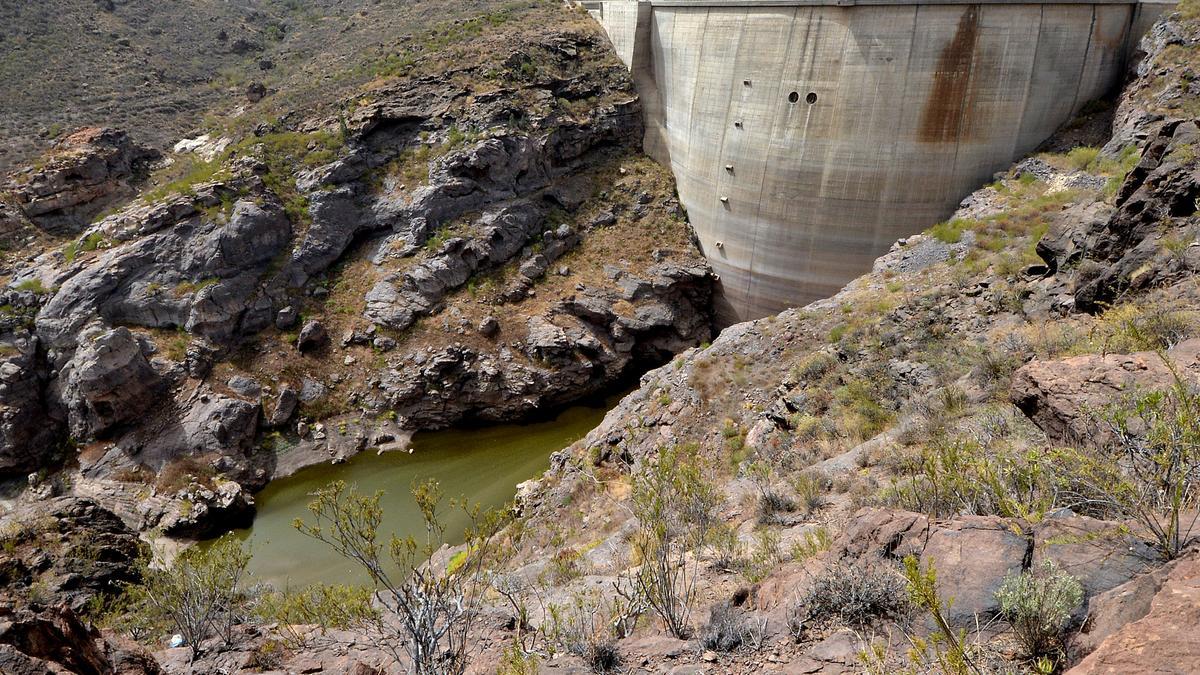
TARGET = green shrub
(764,556)
(335,606)
(34,286)
(952,476)
(185,288)
(810,491)
(1038,604)
(813,543)
(814,365)
(426,603)
(516,661)
(587,627)
(201,595)
(945,650)
(862,415)
(1150,472)
(1140,327)
(1082,158)
(196,172)
(675,504)
(950,231)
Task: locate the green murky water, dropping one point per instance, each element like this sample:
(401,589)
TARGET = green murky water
(483,464)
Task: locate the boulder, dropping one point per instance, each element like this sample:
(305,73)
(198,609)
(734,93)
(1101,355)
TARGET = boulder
(1150,624)
(286,403)
(312,336)
(244,386)
(1063,396)
(54,640)
(973,554)
(287,318)
(1066,242)
(108,382)
(398,300)
(202,425)
(489,327)
(1100,554)
(336,219)
(27,431)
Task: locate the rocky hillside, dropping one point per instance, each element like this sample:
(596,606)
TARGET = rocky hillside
(472,237)
(162,69)
(1005,394)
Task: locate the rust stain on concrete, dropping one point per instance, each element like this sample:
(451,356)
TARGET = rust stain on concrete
(945,118)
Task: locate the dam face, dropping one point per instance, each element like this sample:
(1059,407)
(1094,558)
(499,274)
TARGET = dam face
(806,136)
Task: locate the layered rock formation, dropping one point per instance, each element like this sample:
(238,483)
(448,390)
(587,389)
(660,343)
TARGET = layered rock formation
(85,173)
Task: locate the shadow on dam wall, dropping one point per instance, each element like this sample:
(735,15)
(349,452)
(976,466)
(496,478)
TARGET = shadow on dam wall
(806,136)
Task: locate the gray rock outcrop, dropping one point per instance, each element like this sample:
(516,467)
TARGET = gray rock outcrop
(28,437)
(108,382)
(200,275)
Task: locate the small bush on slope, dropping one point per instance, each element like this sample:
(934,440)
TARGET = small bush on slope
(1038,604)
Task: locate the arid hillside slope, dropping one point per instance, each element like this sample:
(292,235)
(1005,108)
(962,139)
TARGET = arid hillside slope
(162,69)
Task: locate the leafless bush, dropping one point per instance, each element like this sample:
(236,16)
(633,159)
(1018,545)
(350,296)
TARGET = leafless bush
(675,506)
(729,628)
(853,595)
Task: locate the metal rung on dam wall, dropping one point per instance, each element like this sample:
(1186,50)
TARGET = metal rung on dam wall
(806,136)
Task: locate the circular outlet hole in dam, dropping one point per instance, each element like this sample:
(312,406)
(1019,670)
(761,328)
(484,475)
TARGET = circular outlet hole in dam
(811,98)
(793,97)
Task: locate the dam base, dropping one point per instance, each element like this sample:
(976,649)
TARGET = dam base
(806,136)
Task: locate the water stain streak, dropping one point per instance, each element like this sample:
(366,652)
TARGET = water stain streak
(945,117)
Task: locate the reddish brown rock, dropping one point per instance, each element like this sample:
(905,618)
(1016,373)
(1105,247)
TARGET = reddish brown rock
(1164,639)
(1099,553)
(1062,396)
(972,554)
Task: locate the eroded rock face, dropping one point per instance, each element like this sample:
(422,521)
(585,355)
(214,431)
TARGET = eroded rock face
(44,642)
(1147,625)
(201,274)
(207,424)
(1065,397)
(398,301)
(56,640)
(213,271)
(84,173)
(973,554)
(73,548)
(108,382)
(1117,251)
(27,435)
(485,175)
(581,345)
(200,512)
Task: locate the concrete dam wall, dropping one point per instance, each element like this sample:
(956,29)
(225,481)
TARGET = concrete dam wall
(806,136)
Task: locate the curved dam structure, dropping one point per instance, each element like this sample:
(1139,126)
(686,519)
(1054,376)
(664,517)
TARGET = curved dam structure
(806,136)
